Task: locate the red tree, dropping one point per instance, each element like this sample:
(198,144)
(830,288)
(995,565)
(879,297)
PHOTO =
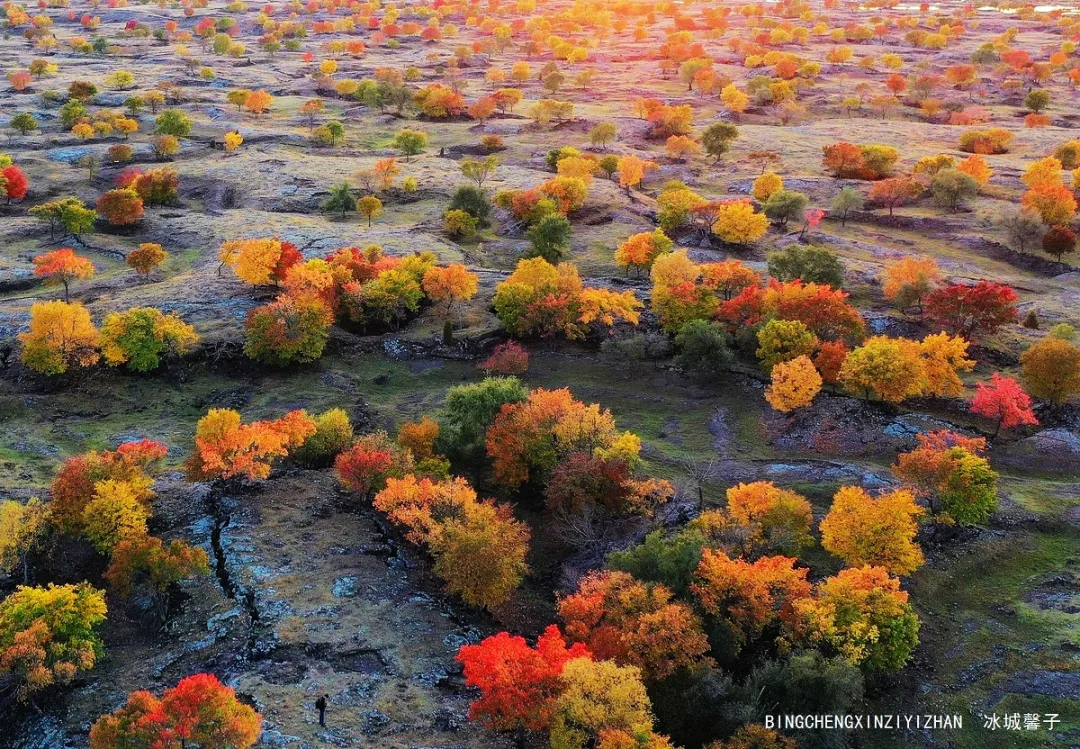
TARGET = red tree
(199,710)
(1003,400)
(968,310)
(13,183)
(518,684)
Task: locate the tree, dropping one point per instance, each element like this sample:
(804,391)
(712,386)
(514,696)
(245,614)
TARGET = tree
(785,205)
(878,531)
(530,438)
(23,122)
(1003,400)
(61,336)
(341,199)
(598,696)
(480,553)
(846,201)
(550,237)
(632,171)
(470,410)
(568,193)
(141,335)
(783,340)
(862,615)
(473,201)
(896,191)
(258,102)
(146,563)
(890,368)
(908,280)
(199,709)
(1043,173)
(718,137)
(737,223)
(843,159)
(950,187)
(1037,100)
(972,310)
(157,186)
(602,134)
(121,207)
(947,471)
(1023,226)
(21,527)
(173,122)
(634,623)
(410,142)
(115,512)
(755,736)
(145,258)
(747,599)
(365,467)
(253,260)
(68,213)
(811,264)
(540,299)
(450,284)
(1055,204)
(1058,241)
(793,385)
(518,684)
(369,207)
(765,185)
(62,267)
(48,635)
(226,448)
(480,170)
(768,519)
(640,251)
(13,183)
(704,349)
(734,99)
(288,330)
(1050,370)
(333,435)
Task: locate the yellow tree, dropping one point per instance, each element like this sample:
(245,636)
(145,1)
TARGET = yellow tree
(61,336)
(253,260)
(737,223)
(793,385)
(861,529)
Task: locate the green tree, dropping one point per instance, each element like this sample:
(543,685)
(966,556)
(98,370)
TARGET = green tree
(341,199)
(811,264)
(23,122)
(410,142)
(704,348)
(785,205)
(468,413)
(951,187)
(473,201)
(173,122)
(550,237)
(847,200)
(718,137)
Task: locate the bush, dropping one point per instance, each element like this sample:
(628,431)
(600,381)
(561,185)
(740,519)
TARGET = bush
(811,264)
(636,347)
(468,413)
(704,348)
(508,358)
(458,223)
(333,435)
(288,330)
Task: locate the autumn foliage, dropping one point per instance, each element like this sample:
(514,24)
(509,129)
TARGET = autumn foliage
(226,448)
(518,684)
(199,710)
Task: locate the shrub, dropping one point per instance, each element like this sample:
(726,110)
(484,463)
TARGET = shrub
(333,435)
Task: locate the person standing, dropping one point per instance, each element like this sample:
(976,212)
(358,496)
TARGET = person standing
(320,704)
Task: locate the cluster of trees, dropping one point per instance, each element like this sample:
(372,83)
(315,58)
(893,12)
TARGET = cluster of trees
(365,288)
(48,635)
(713,626)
